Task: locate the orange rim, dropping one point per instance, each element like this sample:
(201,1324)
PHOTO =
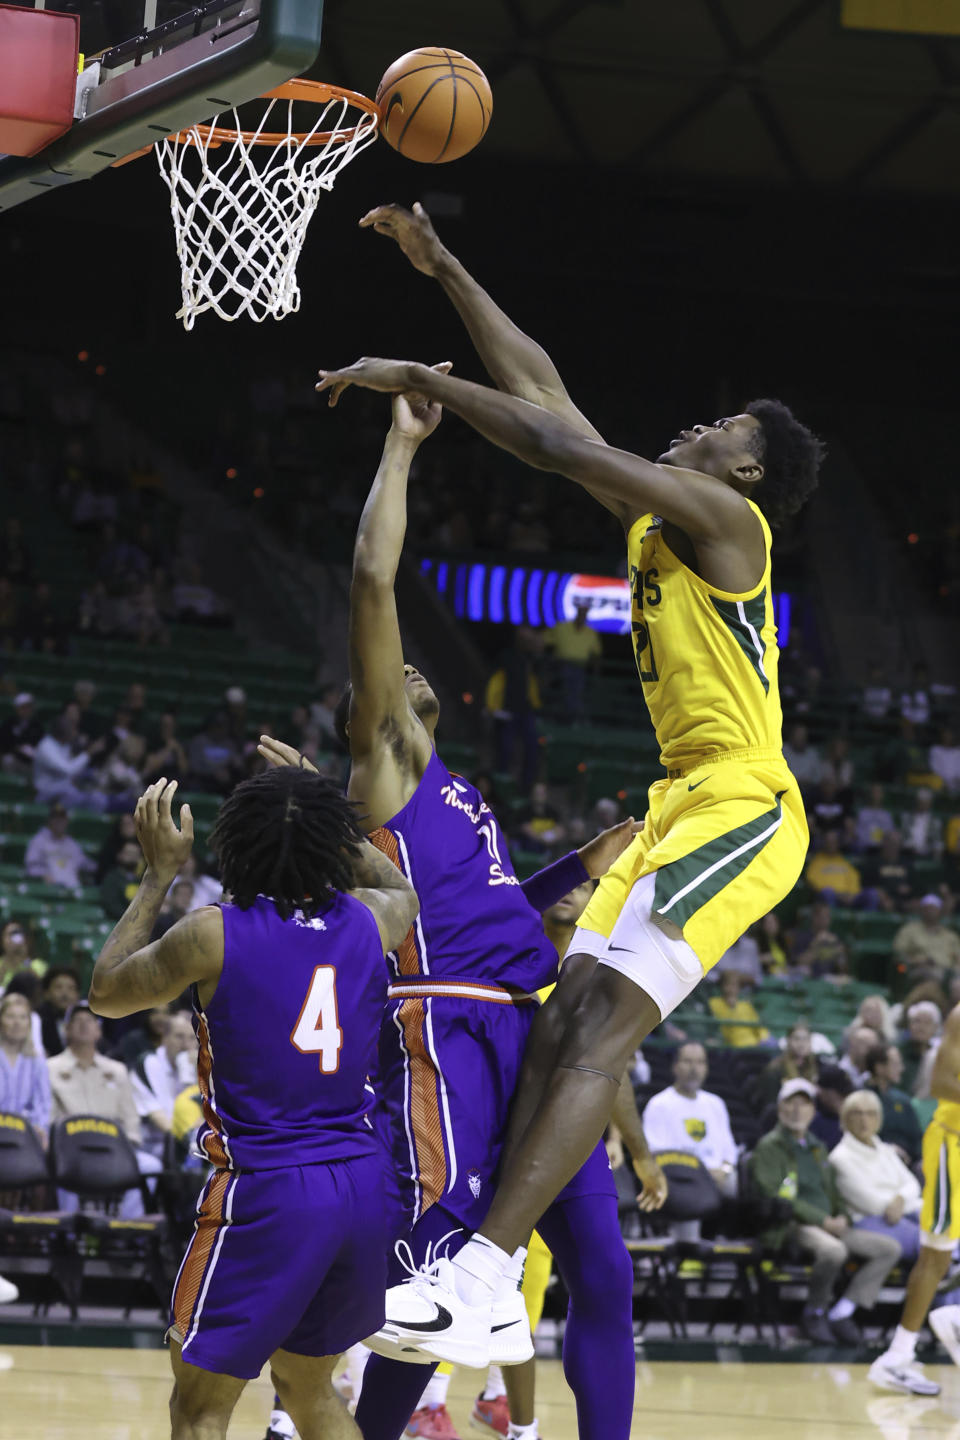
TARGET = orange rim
(314,92)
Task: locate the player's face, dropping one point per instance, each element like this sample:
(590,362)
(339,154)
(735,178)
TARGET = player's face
(721,449)
(423,701)
(568,910)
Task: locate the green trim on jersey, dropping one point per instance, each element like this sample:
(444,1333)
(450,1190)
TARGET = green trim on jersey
(687,884)
(744,619)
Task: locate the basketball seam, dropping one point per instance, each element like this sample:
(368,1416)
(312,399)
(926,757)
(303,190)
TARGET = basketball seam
(409,122)
(453,107)
(447,75)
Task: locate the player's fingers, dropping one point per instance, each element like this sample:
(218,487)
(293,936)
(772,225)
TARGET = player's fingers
(165,803)
(443,368)
(186,822)
(277,751)
(150,803)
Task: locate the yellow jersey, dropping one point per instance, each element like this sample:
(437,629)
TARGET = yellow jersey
(947,1114)
(707,658)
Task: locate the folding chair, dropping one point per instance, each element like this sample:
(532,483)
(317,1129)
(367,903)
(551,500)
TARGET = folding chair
(34,1241)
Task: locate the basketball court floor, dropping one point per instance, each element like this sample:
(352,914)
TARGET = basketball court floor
(53,1393)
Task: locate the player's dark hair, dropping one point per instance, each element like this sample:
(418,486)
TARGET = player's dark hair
(791,456)
(341,715)
(290,834)
(876,1055)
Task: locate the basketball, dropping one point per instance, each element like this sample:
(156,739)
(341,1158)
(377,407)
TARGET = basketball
(435,105)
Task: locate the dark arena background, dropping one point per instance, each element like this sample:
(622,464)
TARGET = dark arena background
(689,206)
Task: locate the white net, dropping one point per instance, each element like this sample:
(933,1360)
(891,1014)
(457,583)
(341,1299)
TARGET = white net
(241,209)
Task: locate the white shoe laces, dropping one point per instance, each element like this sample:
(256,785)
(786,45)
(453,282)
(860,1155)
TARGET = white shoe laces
(421,1275)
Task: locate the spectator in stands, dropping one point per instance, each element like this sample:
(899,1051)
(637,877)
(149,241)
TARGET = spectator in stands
(90,725)
(84,1082)
(165,754)
(918,1049)
(900,1127)
(833,1087)
(59,773)
(945,759)
(135,705)
(880,1193)
(538,824)
(15,953)
(803,758)
(831,875)
(687,1118)
(876,697)
(789,1164)
(235,711)
(123,770)
(745,1027)
(121,883)
(40,627)
(196,602)
(61,990)
(817,950)
(322,715)
(838,768)
(28,984)
(874,1012)
(15,562)
(20,734)
(122,830)
(176,905)
(149,1031)
(915,700)
(927,945)
(214,761)
(576,648)
(207,889)
(857,1046)
(24,1085)
(831,810)
(158,1078)
(889,879)
(873,821)
(923,830)
(513,700)
(54,856)
(771,945)
(743,957)
(797,1061)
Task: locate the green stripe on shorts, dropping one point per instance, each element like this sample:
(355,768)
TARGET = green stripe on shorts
(687,884)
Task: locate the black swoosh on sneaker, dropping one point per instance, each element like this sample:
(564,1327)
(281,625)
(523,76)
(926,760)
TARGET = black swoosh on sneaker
(699,783)
(442,1321)
(505,1326)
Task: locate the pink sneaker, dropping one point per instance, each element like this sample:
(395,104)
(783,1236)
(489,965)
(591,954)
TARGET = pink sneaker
(491,1415)
(432,1422)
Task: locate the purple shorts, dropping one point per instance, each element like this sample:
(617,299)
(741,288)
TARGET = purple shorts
(292,1259)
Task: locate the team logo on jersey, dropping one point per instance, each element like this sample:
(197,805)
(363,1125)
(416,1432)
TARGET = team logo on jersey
(475,1182)
(316,923)
(696,1129)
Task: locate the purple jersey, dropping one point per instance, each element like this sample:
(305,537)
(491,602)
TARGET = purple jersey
(474,919)
(289,1037)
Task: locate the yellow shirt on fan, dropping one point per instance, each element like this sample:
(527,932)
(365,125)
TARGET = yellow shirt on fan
(707,658)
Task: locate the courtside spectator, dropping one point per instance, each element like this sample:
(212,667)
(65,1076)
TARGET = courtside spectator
(857,1045)
(576,648)
(900,1127)
(54,856)
(731,1005)
(687,1118)
(889,878)
(61,990)
(15,953)
(120,884)
(817,950)
(878,1190)
(158,1078)
(791,1165)
(20,734)
(743,957)
(165,756)
(926,944)
(84,1082)
(876,698)
(833,1087)
(922,831)
(24,1086)
(919,1047)
(945,759)
(796,1061)
(538,825)
(831,874)
(873,821)
(803,759)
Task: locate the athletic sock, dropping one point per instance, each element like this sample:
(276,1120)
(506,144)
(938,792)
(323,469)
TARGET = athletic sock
(436,1391)
(523,1432)
(281,1423)
(843,1309)
(903,1346)
(356,1357)
(494,1387)
(477,1270)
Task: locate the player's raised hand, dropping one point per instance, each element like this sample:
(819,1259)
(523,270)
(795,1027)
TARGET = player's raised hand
(369,373)
(654,1183)
(414,416)
(413,231)
(165,848)
(276,753)
(599,853)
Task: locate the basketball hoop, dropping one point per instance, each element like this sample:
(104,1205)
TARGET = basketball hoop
(240,218)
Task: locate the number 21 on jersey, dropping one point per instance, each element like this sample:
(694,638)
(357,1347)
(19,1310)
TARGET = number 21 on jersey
(318,1025)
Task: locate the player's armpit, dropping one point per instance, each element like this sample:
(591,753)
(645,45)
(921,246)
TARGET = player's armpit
(191,952)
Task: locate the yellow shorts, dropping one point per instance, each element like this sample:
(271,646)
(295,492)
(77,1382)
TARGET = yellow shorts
(940,1211)
(726,840)
(536,1278)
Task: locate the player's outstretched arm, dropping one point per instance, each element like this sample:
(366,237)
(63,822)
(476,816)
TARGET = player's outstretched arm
(944,1081)
(706,509)
(515,363)
(376,649)
(386,892)
(131,974)
(626,1117)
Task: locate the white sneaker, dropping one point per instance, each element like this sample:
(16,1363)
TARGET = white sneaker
(8,1292)
(510,1340)
(427,1320)
(945,1324)
(908,1379)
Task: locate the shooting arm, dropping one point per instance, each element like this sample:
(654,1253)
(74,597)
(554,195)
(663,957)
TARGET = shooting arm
(386,892)
(944,1084)
(132,975)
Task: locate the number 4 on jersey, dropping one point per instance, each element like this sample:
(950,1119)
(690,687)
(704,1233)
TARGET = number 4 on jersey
(318,1026)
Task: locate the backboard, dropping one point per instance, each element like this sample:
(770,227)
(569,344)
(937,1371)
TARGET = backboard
(179,64)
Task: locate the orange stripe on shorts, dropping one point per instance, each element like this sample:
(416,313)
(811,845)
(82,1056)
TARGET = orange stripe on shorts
(424,1106)
(212,1143)
(204,1238)
(407,958)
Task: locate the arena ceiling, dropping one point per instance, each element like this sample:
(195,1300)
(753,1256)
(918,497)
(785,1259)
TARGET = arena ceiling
(751,90)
